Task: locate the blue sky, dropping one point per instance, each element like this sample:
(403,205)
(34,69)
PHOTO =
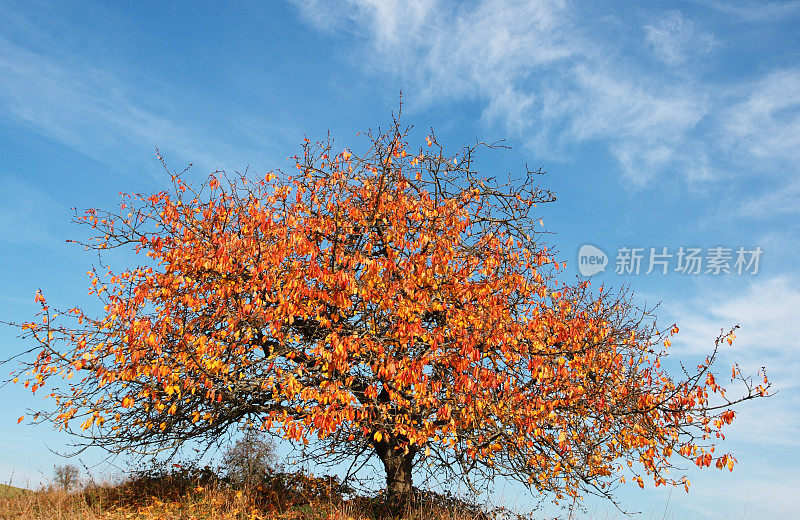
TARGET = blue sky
(660,124)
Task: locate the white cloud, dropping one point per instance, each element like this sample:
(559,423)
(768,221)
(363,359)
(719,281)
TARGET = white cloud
(674,39)
(759,487)
(766,311)
(97,113)
(756,11)
(766,123)
(27,214)
(645,125)
(777,201)
(766,432)
(558,80)
(539,73)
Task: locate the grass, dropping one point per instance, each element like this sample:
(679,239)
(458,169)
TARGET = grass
(7,490)
(199,495)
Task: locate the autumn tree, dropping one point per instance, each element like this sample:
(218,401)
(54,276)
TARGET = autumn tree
(392,303)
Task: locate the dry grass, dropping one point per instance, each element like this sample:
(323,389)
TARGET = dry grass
(196,496)
(56,504)
(6,490)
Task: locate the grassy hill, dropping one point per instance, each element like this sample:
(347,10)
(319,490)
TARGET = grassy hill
(200,495)
(6,490)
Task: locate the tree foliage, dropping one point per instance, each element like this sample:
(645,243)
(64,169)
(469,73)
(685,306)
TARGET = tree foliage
(393,303)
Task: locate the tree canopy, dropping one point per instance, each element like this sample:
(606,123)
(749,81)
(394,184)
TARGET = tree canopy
(392,303)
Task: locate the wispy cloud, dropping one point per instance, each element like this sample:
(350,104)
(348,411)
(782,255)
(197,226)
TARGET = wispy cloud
(766,123)
(756,11)
(767,316)
(515,56)
(765,309)
(101,115)
(753,490)
(645,125)
(776,202)
(26,214)
(536,70)
(674,39)
(558,80)
(765,433)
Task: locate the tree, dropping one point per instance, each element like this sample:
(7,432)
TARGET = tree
(250,459)
(66,476)
(394,304)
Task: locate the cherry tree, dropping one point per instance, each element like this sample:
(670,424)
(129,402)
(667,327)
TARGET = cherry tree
(393,303)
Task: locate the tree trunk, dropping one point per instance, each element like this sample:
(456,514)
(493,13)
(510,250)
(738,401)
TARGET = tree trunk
(398,464)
